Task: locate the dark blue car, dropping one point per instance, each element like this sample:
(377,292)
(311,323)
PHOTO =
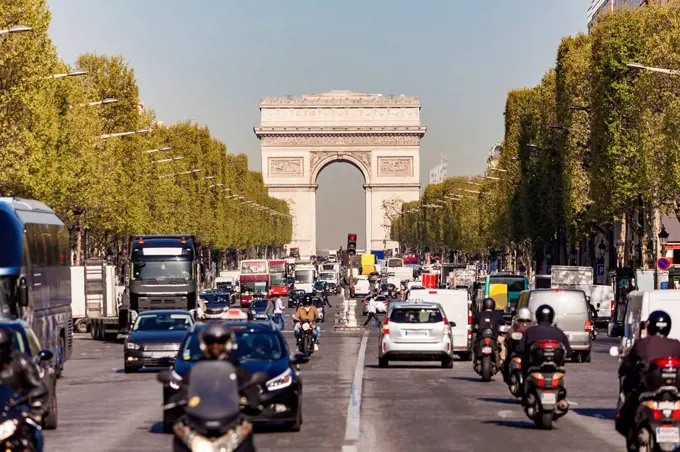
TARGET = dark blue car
(261,348)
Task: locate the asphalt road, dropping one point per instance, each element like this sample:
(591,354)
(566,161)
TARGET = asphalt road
(349,404)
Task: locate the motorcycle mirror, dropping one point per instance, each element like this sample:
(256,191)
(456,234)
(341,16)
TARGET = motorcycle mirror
(164,376)
(614,351)
(452,324)
(45,355)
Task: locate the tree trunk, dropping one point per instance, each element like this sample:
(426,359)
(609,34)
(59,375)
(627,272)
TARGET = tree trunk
(79,242)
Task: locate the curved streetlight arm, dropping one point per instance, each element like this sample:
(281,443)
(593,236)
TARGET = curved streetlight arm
(16,29)
(633,65)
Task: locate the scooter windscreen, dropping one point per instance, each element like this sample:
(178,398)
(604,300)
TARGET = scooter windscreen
(213,393)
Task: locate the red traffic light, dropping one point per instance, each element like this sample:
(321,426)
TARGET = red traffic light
(352,237)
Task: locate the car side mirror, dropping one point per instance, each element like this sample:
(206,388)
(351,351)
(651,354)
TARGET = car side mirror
(45,355)
(164,376)
(588,298)
(614,351)
(23,293)
(300,358)
(452,324)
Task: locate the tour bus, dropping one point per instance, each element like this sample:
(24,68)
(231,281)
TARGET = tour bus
(254,279)
(35,273)
(278,281)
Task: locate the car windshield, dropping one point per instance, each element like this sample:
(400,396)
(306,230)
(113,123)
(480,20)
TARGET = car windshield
(161,270)
(163,322)
(319,284)
(259,304)
(304,276)
(515,283)
(252,345)
(215,297)
(416,315)
(18,338)
(327,276)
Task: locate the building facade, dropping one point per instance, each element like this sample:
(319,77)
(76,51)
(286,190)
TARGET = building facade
(599,7)
(439,172)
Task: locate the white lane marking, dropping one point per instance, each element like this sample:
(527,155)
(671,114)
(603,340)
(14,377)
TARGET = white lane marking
(350,449)
(353,429)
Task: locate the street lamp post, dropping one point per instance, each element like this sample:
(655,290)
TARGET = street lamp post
(124,134)
(16,29)
(174,159)
(633,65)
(164,148)
(68,74)
(108,100)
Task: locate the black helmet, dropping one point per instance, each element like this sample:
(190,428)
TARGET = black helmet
(307,301)
(217,333)
(545,314)
(658,324)
(6,344)
(489,304)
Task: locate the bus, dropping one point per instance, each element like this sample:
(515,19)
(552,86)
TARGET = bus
(515,283)
(278,278)
(35,274)
(254,279)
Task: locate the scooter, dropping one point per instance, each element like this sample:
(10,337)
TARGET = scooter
(19,432)
(487,355)
(212,418)
(545,394)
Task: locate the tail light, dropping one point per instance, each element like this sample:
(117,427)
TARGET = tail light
(548,344)
(556,379)
(667,362)
(487,341)
(661,410)
(539,379)
(612,307)
(386,327)
(589,326)
(518,362)
(469,313)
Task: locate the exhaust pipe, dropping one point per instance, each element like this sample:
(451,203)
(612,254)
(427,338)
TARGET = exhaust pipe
(562,406)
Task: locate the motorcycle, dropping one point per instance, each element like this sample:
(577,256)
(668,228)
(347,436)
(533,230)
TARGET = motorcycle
(306,344)
(515,378)
(545,395)
(19,432)
(487,357)
(212,407)
(657,420)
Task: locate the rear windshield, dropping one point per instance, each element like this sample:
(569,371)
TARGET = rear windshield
(515,283)
(570,302)
(416,315)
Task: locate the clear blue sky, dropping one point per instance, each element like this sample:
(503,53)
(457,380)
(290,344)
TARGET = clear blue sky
(212,61)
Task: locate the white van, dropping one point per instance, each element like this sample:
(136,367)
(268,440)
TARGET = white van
(362,287)
(602,299)
(640,304)
(458,308)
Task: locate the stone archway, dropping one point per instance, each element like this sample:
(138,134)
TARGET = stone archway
(379,135)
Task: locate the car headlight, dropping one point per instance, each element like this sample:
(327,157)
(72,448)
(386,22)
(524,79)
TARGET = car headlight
(7,429)
(282,381)
(133,346)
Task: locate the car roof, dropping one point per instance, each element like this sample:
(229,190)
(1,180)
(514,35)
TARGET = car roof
(402,305)
(165,311)
(256,326)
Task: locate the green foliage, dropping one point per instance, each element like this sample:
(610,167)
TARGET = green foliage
(50,149)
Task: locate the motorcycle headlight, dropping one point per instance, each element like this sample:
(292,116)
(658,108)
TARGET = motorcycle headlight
(133,346)
(306,326)
(201,444)
(7,429)
(282,381)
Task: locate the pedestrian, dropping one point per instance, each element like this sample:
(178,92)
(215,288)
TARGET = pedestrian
(278,313)
(269,312)
(372,310)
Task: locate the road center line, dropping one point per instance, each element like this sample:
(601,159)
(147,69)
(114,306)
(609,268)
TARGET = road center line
(353,429)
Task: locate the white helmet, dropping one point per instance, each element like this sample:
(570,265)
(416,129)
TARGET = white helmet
(524,315)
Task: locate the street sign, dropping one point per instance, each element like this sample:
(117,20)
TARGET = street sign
(549,269)
(663,263)
(522,269)
(664,285)
(600,269)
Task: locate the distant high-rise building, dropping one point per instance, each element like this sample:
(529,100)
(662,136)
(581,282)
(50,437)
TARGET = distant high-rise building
(598,7)
(439,172)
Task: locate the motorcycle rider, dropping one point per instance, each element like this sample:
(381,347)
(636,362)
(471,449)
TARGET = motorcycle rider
(325,294)
(544,330)
(488,319)
(217,342)
(521,323)
(307,312)
(654,345)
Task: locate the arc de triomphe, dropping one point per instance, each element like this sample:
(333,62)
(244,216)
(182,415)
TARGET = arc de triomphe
(379,135)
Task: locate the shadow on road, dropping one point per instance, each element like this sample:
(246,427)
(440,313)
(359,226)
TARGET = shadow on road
(432,366)
(475,379)
(523,425)
(499,400)
(600,413)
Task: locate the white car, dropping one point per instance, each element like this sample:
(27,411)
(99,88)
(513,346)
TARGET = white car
(362,287)
(416,332)
(383,302)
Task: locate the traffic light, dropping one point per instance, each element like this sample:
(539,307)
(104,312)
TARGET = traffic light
(351,244)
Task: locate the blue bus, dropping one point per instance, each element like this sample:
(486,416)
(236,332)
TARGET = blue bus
(35,273)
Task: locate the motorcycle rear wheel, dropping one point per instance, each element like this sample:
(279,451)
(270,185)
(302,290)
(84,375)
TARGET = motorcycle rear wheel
(544,420)
(486,368)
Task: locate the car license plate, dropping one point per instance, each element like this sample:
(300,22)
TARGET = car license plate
(486,349)
(668,435)
(549,398)
(158,355)
(415,333)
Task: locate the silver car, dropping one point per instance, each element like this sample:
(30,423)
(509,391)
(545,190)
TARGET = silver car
(416,332)
(572,316)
